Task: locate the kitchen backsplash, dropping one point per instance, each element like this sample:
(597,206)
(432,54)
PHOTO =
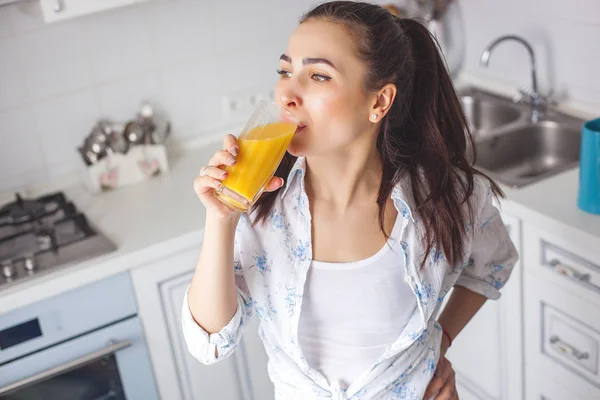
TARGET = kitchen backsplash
(190,55)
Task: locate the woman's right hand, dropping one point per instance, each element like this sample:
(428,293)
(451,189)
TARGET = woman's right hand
(212,175)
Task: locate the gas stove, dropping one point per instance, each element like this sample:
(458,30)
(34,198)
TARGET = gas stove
(43,234)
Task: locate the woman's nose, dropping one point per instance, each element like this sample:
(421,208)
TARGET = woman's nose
(289,97)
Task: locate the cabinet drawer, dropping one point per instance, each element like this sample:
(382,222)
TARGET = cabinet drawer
(569,341)
(562,337)
(539,387)
(571,263)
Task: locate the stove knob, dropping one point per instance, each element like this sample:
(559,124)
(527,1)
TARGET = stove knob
(30,265)
(44,240)
(8,270)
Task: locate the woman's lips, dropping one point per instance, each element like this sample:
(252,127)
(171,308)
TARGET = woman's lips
(300,128)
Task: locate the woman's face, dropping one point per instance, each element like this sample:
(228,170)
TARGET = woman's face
(321,86)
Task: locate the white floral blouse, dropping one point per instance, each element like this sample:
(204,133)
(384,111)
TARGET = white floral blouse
(271,262)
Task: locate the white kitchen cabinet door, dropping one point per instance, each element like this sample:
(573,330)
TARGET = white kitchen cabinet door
(58,10)
(487,354)
(562,338)
(226,379)
(256,362)
(542,387)
(160,288)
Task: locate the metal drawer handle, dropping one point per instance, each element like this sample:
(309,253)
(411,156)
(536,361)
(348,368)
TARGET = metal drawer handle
(567,349)
(112,347)
(569,271)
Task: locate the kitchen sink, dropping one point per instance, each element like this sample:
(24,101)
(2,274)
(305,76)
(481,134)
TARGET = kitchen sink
(484,114)
(510,147)
(529,153)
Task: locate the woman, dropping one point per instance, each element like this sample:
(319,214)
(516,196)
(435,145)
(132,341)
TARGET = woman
(378,215)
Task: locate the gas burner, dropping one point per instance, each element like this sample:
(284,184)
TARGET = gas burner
(21,211)
(44,233)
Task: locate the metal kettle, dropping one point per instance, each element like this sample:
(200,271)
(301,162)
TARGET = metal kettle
(444,20)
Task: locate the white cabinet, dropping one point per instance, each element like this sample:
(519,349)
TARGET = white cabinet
(545,388)
(160,288)
(562,305)
(225,379)
(256,360)
(487,354)
(58,10)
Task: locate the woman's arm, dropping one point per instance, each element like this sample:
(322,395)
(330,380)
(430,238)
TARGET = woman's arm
(462,305)
(492,259)
(212,295)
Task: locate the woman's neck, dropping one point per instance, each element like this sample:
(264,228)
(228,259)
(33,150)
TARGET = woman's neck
(344,178)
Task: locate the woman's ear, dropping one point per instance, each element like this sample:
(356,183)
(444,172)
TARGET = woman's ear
(383,102)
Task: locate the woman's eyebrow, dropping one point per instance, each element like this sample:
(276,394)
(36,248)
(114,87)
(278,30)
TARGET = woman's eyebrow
(309,60)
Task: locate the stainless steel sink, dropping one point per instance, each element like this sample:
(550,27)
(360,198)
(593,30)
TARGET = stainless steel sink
(529,153)
(513,150)
(485,114)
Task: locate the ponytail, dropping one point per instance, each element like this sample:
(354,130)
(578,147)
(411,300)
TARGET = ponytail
(436,129)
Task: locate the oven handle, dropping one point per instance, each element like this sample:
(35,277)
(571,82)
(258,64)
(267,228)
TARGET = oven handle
(112,347)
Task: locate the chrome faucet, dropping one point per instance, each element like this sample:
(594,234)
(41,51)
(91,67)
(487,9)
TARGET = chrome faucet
(534,98)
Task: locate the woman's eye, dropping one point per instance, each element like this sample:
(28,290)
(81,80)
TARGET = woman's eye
(283,73)
(320,78)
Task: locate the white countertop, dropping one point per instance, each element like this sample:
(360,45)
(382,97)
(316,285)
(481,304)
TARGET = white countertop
(552,202)
(146,221)
(161,216)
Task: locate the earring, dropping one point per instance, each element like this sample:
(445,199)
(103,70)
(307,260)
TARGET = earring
(373,117)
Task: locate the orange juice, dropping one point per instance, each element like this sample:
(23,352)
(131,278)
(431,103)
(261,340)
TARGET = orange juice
(261,151)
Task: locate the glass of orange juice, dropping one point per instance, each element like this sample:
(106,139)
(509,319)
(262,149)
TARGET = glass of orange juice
(262,144)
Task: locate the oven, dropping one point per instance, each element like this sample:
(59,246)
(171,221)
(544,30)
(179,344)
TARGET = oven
(85,344)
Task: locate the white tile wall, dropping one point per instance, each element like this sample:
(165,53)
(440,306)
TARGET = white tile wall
(21,156)
(118,44)
(192,96)
(12,84)
(57,79)
(187,55)
(182,31)
(60,124)
(54,60)
(119,99)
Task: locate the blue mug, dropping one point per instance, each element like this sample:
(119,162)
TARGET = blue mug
(589,168)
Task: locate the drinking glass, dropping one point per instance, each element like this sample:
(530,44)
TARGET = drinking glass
(262,145)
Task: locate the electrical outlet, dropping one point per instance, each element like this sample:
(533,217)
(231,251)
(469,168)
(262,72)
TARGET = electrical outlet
(244,102)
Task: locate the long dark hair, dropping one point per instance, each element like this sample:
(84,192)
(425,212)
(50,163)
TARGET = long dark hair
(424,137)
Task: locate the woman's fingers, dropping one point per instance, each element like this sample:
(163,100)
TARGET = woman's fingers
(222,157)
(204,186)
(230,144)
(274,184)
(439,378)
(205,183)
(448,391)
(213,172)
(434,387)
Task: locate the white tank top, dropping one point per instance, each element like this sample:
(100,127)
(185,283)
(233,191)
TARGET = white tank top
(352,311)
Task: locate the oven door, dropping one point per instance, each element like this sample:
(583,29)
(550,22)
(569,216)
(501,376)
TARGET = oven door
(108,363)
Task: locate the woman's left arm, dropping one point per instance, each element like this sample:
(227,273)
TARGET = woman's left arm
(492,259)
(462,305)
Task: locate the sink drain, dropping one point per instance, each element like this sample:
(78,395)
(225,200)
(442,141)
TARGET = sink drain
(530,174)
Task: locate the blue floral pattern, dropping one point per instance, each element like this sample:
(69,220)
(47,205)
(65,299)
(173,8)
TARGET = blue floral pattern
(262,263)
(291,300)
(266,311)
(271,262)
